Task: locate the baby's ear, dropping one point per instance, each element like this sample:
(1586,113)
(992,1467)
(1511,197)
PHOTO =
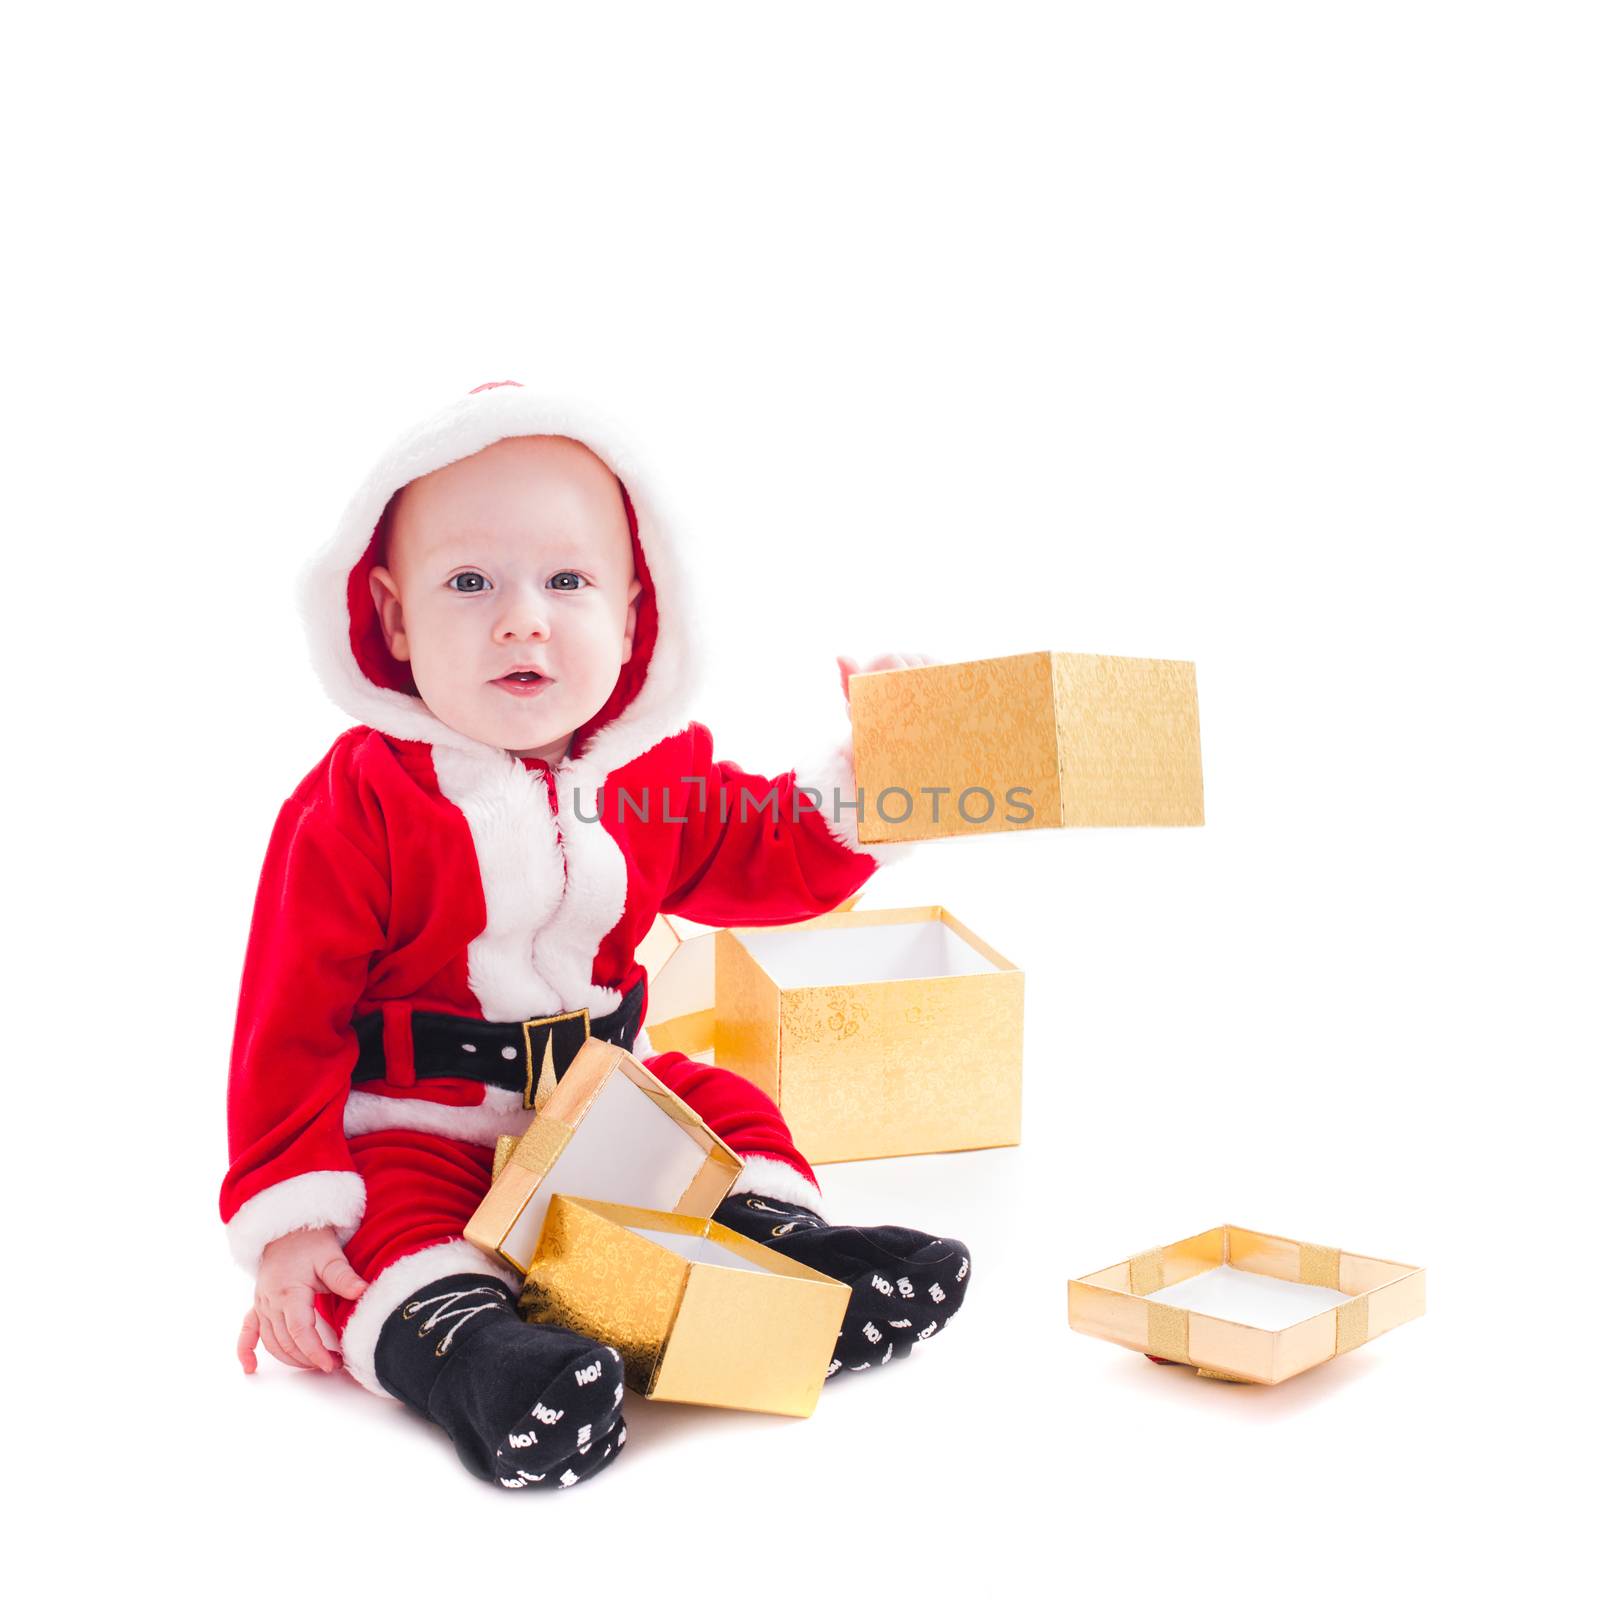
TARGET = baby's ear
(630,619)
(386,601)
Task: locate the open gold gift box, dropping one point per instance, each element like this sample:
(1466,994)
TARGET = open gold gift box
(610,1129)
(1047,740)
(878,1033)
(1255,1307)
(604,1205)
(699,1313)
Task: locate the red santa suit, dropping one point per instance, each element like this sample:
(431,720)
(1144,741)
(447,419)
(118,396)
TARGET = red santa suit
(416,871)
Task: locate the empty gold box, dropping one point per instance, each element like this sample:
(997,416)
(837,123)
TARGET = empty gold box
(610,1131)
(879,1033)
(1046,740)
(699,1313)
(679,961)
(1254,1307)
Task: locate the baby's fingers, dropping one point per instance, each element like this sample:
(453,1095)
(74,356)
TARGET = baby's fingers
(338,1276)
(848,667)
(303,1331)
(248,1335)
(275,1336)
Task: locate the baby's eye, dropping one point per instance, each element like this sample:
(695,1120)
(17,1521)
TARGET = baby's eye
(567,580)
(468,583)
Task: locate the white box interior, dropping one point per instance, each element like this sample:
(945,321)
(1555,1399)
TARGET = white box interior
(812,958)
(1250,1298)
(626,1150)
(693,1248)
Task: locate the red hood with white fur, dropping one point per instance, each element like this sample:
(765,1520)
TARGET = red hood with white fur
(417,870)
(347,643)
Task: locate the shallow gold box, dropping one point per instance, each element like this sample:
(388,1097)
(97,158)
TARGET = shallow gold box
(699,1313)
(1254,1307)
(879,1033)
(612,1130)
(1033,741)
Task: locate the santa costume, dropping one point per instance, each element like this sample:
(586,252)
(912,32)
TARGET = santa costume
(432,909)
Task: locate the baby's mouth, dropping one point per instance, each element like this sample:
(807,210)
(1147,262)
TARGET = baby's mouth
(524,682)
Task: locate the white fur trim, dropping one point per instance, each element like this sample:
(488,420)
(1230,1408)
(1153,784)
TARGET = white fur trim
(501,1112)
(776,1180)
(312,1200)
(396,1283)
(461,429)
(564,950)
(507,808)
(834,778)
(554,885)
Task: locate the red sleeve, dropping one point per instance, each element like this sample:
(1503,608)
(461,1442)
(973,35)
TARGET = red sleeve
(756,850)
(320,916)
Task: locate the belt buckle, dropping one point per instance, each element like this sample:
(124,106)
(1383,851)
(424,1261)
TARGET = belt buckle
(540,1077)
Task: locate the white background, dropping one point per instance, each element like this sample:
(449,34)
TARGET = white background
(1258,335)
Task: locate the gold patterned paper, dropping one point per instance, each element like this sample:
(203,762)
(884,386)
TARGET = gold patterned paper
(1145,1274)
(1352,1324)
(503,1146)
(606,1283)
(1031,741)
(902,1066)
(540,1147)
(1168,1331)
(697,1332)
(1111,1304)
(1319,1265)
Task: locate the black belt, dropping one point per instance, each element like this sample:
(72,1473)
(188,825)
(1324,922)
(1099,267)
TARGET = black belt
(505,1055)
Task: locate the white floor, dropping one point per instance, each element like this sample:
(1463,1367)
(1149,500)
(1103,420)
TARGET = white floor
(1258,335)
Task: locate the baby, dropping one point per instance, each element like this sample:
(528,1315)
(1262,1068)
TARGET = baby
(502,612)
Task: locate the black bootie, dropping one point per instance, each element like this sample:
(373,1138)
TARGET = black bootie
(904,1285)
(526,1406)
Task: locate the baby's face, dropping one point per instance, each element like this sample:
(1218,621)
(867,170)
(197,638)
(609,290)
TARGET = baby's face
(516,557)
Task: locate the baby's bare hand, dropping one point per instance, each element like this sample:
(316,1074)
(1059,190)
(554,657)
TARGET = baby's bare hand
(292,1270)
(849,666)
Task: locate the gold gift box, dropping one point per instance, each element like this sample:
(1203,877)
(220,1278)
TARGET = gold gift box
(1033,741)
(679,960)
(699,1313)
(1254,1307)
(879,1033)
(612,1130)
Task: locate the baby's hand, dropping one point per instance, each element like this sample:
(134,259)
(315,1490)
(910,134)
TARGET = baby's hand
(849,666)
(292,1269)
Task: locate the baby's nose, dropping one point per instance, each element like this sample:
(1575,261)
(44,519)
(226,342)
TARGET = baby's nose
(524,615)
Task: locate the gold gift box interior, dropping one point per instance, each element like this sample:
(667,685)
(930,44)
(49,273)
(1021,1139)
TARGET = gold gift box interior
(699,1314)
(1254,1307)
(879,1033)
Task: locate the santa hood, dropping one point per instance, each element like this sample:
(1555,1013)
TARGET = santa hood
(347,644)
